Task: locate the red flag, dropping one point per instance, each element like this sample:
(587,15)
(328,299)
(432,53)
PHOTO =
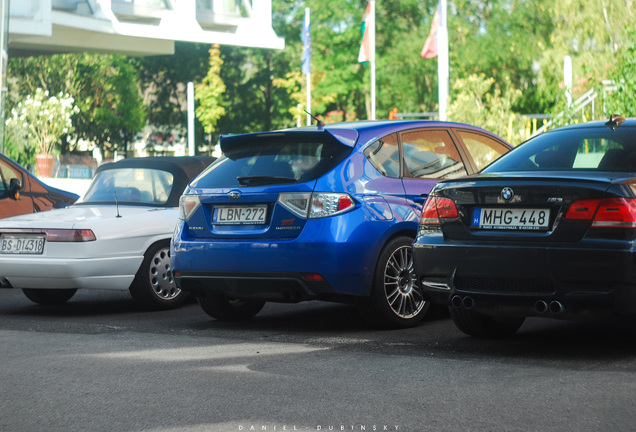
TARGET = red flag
(430,46)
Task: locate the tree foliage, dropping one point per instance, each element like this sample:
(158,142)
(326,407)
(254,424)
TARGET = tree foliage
(480,100)
(41,120)
(209,93)
(506,59)
(105,89)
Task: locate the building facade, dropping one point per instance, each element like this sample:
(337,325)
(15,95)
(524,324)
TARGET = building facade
(136,27)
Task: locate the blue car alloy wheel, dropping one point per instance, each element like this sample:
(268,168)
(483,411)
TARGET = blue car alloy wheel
(319,213)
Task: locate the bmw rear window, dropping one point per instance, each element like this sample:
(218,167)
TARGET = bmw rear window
(585,148)
(274,159)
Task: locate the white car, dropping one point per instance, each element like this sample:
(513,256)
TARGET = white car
(116,237)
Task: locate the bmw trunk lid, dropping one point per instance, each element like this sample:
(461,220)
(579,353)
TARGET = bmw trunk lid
(524,206)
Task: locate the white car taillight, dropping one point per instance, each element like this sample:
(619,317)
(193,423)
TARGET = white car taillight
(317,204)
(188,204)
(69,235)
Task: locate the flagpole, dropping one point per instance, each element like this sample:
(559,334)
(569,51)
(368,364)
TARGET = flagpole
(372,52)
(442,63)
(307,22)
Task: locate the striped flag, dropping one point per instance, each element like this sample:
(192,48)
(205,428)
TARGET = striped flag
(430,46)
(367,47)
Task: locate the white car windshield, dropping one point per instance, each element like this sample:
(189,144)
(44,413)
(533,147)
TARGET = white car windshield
(130,186)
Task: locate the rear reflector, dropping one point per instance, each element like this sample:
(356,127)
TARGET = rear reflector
(312,277)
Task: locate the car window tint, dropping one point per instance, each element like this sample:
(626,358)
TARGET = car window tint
(7,172)
(130,186)
(384,155)
(483,149)
(273,159)
(431,154)
(599,149)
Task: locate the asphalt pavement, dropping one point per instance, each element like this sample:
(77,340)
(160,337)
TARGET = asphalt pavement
(99,363)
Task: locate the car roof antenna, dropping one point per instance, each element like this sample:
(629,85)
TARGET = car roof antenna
(116,203)
(614,121)
(318,122)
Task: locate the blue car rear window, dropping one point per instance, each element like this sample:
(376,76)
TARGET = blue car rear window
(273,160)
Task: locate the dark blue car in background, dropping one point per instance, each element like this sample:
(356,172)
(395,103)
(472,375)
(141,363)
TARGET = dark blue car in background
(319,213)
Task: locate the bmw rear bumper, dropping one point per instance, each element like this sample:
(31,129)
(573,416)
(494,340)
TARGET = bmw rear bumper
(594,279)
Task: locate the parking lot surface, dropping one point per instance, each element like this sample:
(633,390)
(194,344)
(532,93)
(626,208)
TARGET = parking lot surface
(99,363)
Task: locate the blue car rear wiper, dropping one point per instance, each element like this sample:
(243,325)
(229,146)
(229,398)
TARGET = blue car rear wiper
(261,180)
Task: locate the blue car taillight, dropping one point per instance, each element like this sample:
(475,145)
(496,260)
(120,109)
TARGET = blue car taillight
(188,204)
(312,205)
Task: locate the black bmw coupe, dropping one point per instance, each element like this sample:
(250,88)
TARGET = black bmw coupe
(547,230)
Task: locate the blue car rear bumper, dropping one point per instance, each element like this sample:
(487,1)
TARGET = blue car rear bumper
(328,261)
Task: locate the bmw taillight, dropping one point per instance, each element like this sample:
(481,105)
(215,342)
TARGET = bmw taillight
(605,213)
(435,209)
(314,205)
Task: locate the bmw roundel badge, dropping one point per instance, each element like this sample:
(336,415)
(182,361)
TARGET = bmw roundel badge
(507,193)
(234,195)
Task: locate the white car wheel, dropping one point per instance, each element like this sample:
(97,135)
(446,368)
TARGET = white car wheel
(154,286)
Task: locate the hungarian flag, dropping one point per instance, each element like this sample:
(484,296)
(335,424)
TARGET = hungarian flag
(430,46)
(368,36)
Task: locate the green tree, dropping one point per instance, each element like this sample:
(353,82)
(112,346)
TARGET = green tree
(41,120)
(209,93)
(104,87)
(623,100)
(164,80)
(593,34)
(479,100)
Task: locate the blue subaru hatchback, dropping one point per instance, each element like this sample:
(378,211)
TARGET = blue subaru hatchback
(319,213)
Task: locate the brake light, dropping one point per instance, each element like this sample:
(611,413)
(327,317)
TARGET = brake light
(437,208)
(615,213)
(69,235)
(582,209)
(316,204)
(606,213)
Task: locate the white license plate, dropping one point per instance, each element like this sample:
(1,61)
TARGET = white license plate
(512,219)
(26,244)
(240,215)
